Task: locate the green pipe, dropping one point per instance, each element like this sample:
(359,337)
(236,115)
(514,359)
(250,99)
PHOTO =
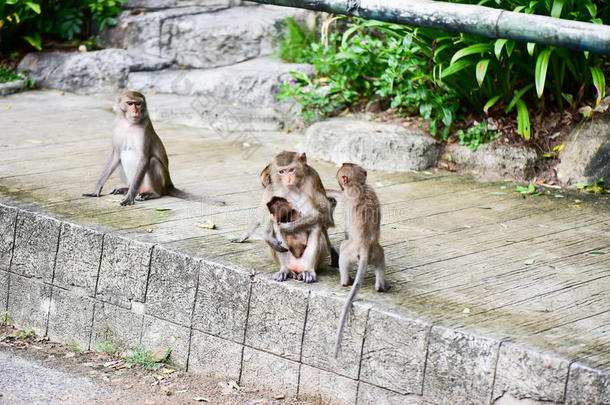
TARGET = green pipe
(486,21)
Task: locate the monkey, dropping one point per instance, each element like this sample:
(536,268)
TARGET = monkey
(140,156)
(293,179)
(264,218)
(362,228)
(281,211)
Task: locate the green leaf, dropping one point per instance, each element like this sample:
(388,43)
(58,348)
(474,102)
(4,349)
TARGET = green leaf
(517,97)
(456,67)
(490,103)
(568,97)
(481,70)
(469,50)
(557,7)
(35,7)
(499,44)
(599,81)
(597,252)
(529,262)
(483,207)
(35,40)
(542,64)
(163,209)
(530,48)
(523,120)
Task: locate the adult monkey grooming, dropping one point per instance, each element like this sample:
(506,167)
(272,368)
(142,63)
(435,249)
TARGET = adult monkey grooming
(140,155)
(293,179)
(361,244)
(263,217)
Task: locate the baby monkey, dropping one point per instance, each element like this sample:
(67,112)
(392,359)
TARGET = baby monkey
(281,211)
(361,244)
(139,154)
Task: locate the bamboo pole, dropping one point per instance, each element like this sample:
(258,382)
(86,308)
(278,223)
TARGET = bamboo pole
(486,21)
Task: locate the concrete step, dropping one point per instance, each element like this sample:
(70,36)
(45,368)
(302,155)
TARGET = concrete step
(203,37)
(254,82)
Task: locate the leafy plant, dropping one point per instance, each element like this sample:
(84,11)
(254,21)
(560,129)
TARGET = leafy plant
(33,21)
(107,348)
(24,334)
(476,135)
(4,319)
(143,358)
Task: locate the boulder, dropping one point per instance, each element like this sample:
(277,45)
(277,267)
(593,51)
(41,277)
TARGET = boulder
(203,37)
(255,82)
(163,4)
(372,145)
(86,72)
(11,87)
(491,161)
(586,156)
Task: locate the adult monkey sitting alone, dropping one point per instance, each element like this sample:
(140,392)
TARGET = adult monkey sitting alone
(139,154)
(293,179)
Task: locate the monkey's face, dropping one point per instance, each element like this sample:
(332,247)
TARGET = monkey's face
(290,176)
(134,110)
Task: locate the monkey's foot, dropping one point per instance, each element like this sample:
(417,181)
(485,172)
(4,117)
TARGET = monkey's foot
(91,194)
(284,275)
(238,240)
(277,246)
(119,190)
(349,281)
(381,287)
(147,196)
(127,201)
(308,276)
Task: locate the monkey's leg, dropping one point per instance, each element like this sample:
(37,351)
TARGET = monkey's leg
(345,262)
(311,255)
(285,273)
(119,190)
(379,260)
(334,256)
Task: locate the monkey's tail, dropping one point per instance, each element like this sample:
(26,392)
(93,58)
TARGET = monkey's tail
(175,192)
(362,263)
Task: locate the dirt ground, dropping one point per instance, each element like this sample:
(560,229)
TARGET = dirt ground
(35,370)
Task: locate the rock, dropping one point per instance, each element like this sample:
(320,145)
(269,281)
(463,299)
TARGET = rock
(586,156)
(495,161)
(254,82)
(159,354)
(163,4)
(373,145)
(88,72)
(203,37)
(11,87)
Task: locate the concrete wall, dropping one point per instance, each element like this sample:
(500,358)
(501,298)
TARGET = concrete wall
(85,286)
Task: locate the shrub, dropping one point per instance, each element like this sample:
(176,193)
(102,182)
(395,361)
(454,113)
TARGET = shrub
(33,21)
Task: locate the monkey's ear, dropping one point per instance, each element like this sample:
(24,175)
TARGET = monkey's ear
(364,174)
(119,104)
(303,157)
(344,180)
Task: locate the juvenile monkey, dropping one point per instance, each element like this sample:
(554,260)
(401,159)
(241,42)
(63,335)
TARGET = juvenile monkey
(361,244)
(281,211)
(139,154)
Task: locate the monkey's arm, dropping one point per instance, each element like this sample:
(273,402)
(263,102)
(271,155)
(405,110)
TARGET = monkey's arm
(272,240)
(304,223)
(137,181)
(111,165)
(334,193)
(249,232)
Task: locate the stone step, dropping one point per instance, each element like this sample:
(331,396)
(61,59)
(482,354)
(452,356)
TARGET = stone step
(255,82)
(203,37)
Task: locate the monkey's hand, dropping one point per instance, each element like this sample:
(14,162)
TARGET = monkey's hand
(277,246)
(94,194)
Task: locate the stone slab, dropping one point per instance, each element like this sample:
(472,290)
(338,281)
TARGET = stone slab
(4,284)
(254,82)
(116,326)
(319,342)
(8,217)
(78,258)
(528,374)
(221,306)
(372,395)
(12,87)
(165,335)
(459,368)
(35,248)
(394,353)
(28,304)
(277,318)
(372,145)
(586,156)
(70,318)
(279,375)
(326,387)
(172,286)
(588,386)
(215,356)
(495,162)
(123,271)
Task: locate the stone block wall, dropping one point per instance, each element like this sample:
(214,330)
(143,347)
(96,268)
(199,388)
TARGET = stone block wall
(85,286)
